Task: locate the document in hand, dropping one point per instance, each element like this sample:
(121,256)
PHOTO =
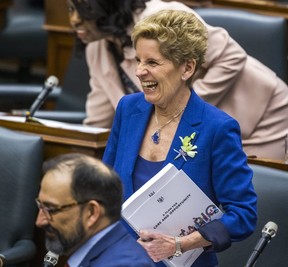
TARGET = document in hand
(170,203)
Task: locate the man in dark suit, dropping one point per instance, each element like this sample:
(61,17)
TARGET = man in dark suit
(79,210)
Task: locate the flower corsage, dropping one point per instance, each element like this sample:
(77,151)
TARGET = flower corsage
(187,149)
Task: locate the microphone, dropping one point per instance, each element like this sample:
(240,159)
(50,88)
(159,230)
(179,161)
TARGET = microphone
(50,259)
(268,232)
(49,84)
(2,260)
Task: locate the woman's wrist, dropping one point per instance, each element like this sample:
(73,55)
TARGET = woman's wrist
(192,241)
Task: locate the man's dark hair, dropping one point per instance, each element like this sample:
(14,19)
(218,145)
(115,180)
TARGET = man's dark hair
(91,180)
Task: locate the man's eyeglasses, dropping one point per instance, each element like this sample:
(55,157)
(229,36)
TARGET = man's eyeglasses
(48,212)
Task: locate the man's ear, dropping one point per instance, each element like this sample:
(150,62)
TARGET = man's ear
(93,212)
(189,69)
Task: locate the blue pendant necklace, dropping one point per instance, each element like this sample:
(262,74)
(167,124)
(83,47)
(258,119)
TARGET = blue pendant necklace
(156,135)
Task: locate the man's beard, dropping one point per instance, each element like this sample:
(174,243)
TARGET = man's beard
(62,245)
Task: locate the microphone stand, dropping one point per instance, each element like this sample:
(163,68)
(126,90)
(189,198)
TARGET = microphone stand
(50,83)
(268,232)
(30,119)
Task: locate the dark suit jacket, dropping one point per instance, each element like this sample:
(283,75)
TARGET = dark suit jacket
(117,249)
(219,168)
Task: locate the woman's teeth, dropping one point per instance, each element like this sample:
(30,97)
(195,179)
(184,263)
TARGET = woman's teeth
(149,85)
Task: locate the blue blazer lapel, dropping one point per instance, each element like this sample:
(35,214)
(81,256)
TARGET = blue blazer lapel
(191,117)
(135,132)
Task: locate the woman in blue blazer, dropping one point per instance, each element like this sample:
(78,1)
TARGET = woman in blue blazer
(169,123)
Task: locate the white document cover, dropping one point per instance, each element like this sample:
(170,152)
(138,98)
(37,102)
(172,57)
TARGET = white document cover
(170,203)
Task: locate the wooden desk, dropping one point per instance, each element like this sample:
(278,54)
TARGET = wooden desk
(59,141)
(4,5)
(275,164)
(195,3)
(268,7)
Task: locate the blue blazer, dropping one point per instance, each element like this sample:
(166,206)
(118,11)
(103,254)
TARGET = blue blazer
(117,249)
(219,168)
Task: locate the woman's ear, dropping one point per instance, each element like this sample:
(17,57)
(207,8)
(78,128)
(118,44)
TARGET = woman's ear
(189,69)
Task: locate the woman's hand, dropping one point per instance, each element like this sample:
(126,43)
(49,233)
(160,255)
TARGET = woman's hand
(158,246)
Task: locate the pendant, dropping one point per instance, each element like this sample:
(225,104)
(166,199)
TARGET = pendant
(156,137)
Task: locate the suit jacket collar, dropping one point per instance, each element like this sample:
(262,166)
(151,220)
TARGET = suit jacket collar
(104,243)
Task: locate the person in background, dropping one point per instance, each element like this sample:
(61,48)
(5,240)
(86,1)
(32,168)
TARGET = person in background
(229,79)
(79,209)
(169,123)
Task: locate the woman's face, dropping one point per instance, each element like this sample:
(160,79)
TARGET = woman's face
(161,80)
(85,30)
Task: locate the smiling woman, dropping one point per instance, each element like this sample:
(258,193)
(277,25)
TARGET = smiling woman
(209,139)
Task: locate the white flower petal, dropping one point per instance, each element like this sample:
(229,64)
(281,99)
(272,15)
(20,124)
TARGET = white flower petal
(192,154)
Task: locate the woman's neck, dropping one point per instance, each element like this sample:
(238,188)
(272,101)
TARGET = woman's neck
(170,109)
